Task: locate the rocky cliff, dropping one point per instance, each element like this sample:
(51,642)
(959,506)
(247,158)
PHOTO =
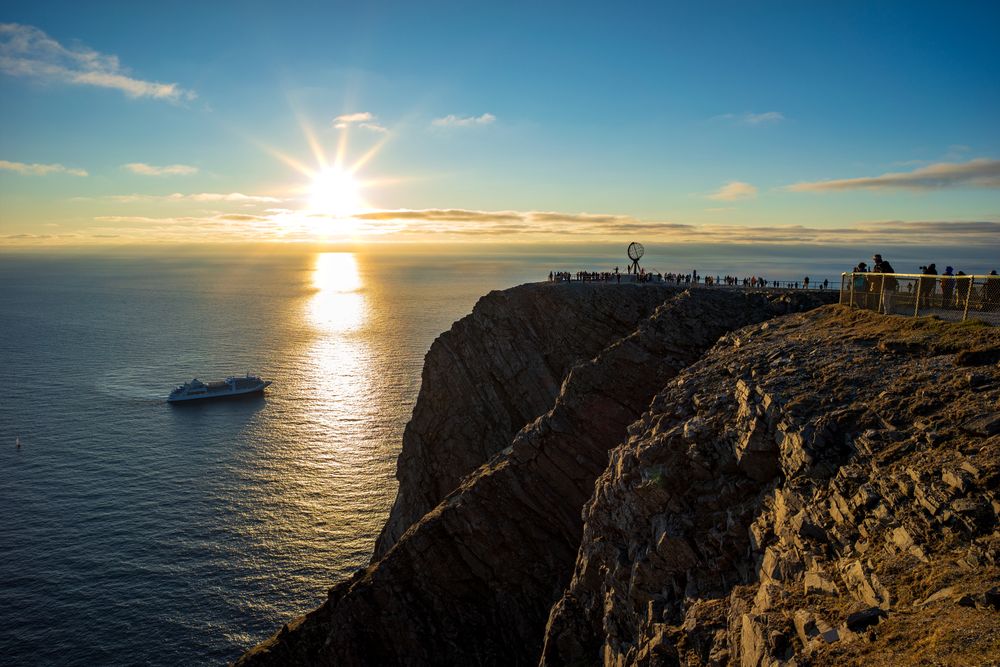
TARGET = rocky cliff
(497,369)
(756,493)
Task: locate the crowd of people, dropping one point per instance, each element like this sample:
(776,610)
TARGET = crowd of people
(878,288)
(642,276)
(678,278)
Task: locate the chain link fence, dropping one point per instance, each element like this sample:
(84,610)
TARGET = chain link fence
(914,295)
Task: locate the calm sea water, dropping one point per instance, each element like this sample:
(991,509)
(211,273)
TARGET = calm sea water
(135,532)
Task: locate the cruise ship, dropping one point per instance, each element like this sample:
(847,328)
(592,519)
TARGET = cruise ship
(231,387)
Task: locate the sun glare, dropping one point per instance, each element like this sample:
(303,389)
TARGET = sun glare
(335,192)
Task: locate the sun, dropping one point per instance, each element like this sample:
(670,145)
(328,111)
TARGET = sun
(335,192)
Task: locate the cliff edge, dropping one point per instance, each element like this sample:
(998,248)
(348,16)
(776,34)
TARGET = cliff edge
(754,508)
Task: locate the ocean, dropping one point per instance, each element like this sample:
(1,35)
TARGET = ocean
(136,532)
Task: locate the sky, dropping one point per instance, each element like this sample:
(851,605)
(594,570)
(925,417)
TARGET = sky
(713,122)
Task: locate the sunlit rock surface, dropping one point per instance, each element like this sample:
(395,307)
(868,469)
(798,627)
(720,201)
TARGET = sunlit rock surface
(819,489)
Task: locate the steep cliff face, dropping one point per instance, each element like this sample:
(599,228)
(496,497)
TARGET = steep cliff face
(820,489)
(496,370)
(473,580)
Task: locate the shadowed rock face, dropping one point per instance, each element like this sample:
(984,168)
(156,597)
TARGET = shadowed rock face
(472,582)
(496,370)
(822,486)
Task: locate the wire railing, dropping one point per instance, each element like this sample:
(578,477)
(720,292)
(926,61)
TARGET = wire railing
(915,295)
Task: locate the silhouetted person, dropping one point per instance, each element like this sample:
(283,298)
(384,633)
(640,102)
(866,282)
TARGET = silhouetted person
(883,285)
(947,287)
(962,287)
(926,290)
(862,286)
(991,292)
(875,283)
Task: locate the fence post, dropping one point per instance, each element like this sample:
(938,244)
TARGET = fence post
(917,289)
(968,296)
(852,289)
(881,295)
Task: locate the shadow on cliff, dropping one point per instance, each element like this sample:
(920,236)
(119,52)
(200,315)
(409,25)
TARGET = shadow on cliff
(473,581)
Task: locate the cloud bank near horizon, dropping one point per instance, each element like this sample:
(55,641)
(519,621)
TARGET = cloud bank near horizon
(461,225)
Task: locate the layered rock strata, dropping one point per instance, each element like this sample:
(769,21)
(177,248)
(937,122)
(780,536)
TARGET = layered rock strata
(496,370)
(473,581)
(820,489)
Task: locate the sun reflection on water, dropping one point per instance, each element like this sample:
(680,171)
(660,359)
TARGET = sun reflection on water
(330,483)
(338,305)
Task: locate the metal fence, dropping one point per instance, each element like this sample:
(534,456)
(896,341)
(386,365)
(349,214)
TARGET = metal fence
(914,295)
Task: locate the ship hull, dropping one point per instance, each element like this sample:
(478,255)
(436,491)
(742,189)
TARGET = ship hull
(221,396)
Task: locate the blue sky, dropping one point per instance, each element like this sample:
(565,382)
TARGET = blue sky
(697,117)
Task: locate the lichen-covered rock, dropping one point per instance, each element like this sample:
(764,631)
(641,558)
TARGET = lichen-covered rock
(793,496)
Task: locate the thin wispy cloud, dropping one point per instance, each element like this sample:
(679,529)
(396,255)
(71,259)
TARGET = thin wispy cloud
(359,117)
(144,169)
(451,120)
(36,169)
(26,51)
(955,153)
(750,118)
(236,197)
(733,191)
(363,119)
(981,173)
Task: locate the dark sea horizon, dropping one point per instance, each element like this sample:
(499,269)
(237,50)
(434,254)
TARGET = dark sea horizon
(136,532)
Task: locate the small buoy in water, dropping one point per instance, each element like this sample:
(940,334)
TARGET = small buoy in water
(19,442)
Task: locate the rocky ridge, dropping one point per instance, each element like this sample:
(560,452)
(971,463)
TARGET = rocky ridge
(713,536)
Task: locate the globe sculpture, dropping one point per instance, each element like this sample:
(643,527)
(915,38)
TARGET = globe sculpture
(635,251)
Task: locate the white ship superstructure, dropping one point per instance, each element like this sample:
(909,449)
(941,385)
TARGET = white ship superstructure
(231,387)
